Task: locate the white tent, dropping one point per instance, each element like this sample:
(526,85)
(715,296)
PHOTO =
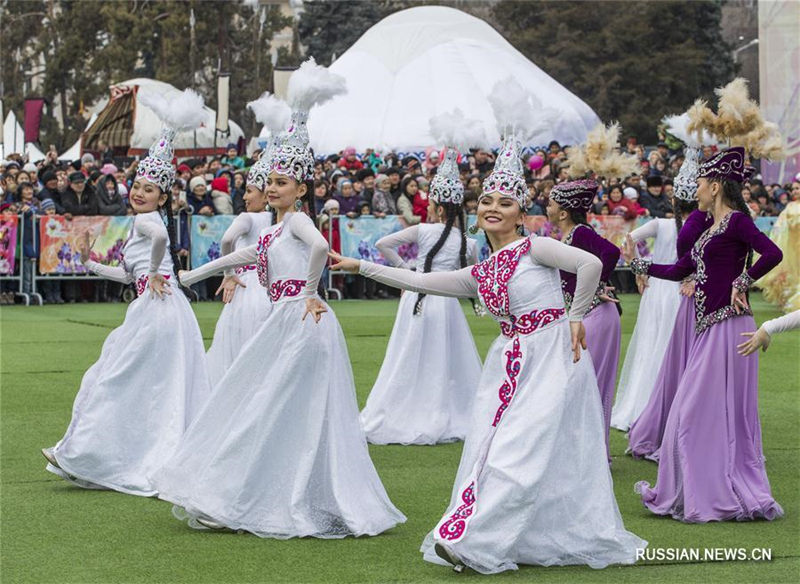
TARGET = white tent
(146,125)
(14,140)
(425,61)
(74,151)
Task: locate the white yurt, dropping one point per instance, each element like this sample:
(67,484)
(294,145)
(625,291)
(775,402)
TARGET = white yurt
(14,141)
(424,61)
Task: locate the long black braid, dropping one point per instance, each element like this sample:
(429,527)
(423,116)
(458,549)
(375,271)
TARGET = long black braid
(681,208)
(451,211)
(173,243)
(732,194)
(310,210)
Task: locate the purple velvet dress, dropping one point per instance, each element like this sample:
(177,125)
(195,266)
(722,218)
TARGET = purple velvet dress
(711,466)
(644,435)
(602,323)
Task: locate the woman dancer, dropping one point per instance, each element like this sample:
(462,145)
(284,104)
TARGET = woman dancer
(569,203)
(711,466)
(535,444)
(244,312)
(761,338)
(431,368)
(781,286)
(136,401)
(280,453)
(660,304)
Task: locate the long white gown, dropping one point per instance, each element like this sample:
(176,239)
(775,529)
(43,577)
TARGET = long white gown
(280,452)
(136,401)
(654,324)
(428,378)
(249,308)
(533,485)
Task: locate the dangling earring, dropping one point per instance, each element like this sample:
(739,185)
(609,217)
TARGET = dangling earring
(473,229)
(298,205)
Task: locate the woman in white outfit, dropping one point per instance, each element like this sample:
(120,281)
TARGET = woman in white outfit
(431,368)
(136,401)
(533,486)
(280,452)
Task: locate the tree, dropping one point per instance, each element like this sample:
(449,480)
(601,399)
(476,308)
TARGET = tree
(630,61)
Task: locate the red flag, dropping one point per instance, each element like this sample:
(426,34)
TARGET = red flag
(33,118)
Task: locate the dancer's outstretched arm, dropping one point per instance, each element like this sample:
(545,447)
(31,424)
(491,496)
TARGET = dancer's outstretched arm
(241,226)
(240,257)
(763,336)
(388,245)
(116,274)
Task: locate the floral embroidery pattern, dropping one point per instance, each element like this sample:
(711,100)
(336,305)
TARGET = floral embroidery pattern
(456,525)
(142,281)
(241,270)
(493,275)
(743,282)
(528,323)
(285,288)
(261,249)
(509,387)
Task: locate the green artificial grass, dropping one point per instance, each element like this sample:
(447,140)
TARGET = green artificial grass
(55,532)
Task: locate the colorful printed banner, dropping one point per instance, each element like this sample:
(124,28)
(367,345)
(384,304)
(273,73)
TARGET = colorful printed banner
(8,243)
(58,236)
(358,237)
(206,235)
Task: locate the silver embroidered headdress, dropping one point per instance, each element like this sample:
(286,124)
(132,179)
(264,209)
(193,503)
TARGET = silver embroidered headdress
(455,132)
(686,182)
(309,86)
(274,114)
(182,111)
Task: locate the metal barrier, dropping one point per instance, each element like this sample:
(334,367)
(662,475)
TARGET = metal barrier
(19,265)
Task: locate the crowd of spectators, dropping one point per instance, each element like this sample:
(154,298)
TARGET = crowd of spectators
(347,183)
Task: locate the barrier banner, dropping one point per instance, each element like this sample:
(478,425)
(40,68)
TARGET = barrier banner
(206,235)
(359,235)
(8,243)
(58,250)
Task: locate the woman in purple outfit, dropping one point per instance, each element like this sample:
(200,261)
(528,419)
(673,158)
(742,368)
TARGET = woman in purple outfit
(567,208)
(646,432)
(711,466)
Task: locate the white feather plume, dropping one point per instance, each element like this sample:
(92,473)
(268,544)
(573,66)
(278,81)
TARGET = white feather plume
(182,111)
(678,126)
(271,111)
(313,85)
(512,109)
(454,130)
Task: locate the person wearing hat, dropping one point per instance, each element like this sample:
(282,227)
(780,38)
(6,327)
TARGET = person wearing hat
(349,161)
(79,198)
(50,190)
(367,178)
(232,158)
(87,162)
(199,198)
(654,200)
(278,450)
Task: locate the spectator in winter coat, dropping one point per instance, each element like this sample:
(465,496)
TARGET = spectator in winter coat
(109,200)
(199,199)
(382,201)
(654,199)
(347,199)
(79,198)
(50,189)
(367,177)
(220,195)
(405,205)
(618,204)
(349,161)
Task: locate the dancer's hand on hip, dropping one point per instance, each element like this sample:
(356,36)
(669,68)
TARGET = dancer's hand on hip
(759,338)
(158,286)
(315,307)
(687,288)
(578,339)
(343,264)
(228,288)
(739,301)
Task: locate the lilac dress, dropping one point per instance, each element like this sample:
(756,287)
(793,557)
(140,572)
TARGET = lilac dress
(644,436)
(602,322)
(711,466)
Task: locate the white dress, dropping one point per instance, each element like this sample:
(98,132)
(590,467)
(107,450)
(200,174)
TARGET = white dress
(249,308)
(425,387)
(654,324)
(533,485)
(137,400)
(280,453)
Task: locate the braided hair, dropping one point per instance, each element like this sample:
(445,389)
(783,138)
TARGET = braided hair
(310,209)
(732,194)
(681,208)
(455,216)
(173,243)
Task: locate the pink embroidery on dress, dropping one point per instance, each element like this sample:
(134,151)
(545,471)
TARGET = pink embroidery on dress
(493,275)
(285,288)
(528,323)
(509,387)
(241,270)
(261,249)
(142,281)
(454,527)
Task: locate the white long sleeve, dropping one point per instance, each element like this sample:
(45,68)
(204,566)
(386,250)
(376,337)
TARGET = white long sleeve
(241,226)
(549,252)
(154,230)
(235,259)
(388,245)
(784,323)
(459,284)
(115,274)
(304,229)
(649,229)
